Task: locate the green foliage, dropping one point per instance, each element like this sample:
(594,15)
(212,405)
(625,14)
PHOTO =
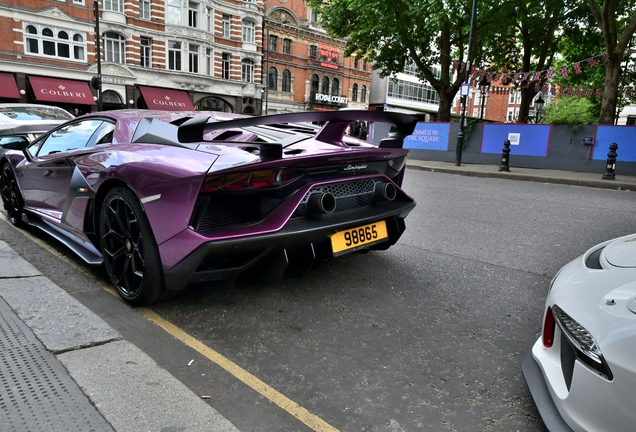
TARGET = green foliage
(567,110)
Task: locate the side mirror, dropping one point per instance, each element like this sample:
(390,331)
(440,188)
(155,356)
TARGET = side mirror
(13,142)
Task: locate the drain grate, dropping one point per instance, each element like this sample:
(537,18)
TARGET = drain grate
(36,392)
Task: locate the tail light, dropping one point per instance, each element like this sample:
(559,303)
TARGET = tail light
(548,329)
(251,180)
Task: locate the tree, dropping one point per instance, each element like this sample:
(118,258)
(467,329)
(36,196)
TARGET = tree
(530,44)
(617,21)
(569,111)
(429,33)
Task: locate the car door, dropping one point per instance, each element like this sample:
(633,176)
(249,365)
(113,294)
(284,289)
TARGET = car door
(46,177)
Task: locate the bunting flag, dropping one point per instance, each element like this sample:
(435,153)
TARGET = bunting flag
(534,78)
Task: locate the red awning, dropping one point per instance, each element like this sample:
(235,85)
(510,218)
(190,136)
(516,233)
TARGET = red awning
(8,87)
(166,99)
(61,90)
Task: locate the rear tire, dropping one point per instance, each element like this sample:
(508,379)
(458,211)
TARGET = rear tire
(11,196)
(131,255)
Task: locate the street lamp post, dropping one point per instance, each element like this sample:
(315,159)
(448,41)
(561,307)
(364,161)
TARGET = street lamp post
(484,85)
(538,106)
(460,136)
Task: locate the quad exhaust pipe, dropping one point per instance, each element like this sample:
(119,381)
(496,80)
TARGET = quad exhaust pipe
(321,203)
(385,191)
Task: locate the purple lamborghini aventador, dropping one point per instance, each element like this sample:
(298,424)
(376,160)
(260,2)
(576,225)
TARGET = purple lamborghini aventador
(164,199)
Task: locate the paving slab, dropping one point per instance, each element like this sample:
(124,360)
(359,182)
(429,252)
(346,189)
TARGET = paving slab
(134,394)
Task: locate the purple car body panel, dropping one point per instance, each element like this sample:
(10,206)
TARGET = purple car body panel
(208,233)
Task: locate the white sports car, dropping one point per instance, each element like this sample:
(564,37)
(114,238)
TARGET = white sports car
(582,370)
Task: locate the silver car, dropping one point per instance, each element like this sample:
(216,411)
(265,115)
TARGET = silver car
(30,120)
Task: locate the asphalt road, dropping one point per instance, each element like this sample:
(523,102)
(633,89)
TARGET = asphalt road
(428,335)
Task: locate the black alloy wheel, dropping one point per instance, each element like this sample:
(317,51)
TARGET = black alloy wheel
(129,248)
(11,196)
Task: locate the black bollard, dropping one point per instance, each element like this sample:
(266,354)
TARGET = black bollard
(610,166)
(505,157)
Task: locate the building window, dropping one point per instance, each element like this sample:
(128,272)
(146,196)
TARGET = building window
(114,5)
(144,9)
(313,52)
(247,71)
(208,61)
(325,85)
(272,78)
(510,116)
(174,55)
(363,94)
(174,12)
(225,66)
(355,63)
(248,31)
(193,14)
(54,42)
(412,91)
(354,93)
(209,14)
(193,58)
(145,52)
(364,65)
(226,25)
(335,87)
(315,83)
(78,2)
(287,46)
(114,49)
(273,43)
(286,87)
(313,16)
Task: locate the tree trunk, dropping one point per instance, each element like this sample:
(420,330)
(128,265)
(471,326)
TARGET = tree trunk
(610,94)
(444,110)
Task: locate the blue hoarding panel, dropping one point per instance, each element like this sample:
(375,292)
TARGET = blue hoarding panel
(525,139)
(429,136)
(623,136)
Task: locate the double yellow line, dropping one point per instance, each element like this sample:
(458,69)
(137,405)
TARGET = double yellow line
(291,407)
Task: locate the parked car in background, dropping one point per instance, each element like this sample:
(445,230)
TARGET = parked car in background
(582,370)
(166,198)
(30,120)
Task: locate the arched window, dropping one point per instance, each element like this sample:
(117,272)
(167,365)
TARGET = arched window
(315,83)
(247,71)
(286,81)
(212,103)
(114,48)
(363,94)
(335,87)
(248,31)
(272,78)
(354,93)
(325,85)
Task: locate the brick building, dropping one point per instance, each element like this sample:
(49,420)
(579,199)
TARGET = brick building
(305,68)
(174,54)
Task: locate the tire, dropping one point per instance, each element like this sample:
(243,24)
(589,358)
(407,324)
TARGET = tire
(11,196)
(131,256)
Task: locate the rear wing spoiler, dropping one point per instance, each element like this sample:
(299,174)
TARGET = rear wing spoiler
(402,125)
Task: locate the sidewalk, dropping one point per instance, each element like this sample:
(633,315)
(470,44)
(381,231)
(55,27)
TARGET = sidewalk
(527,174)
(65,369)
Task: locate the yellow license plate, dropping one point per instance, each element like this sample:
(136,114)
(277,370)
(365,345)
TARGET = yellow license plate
(360,236)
